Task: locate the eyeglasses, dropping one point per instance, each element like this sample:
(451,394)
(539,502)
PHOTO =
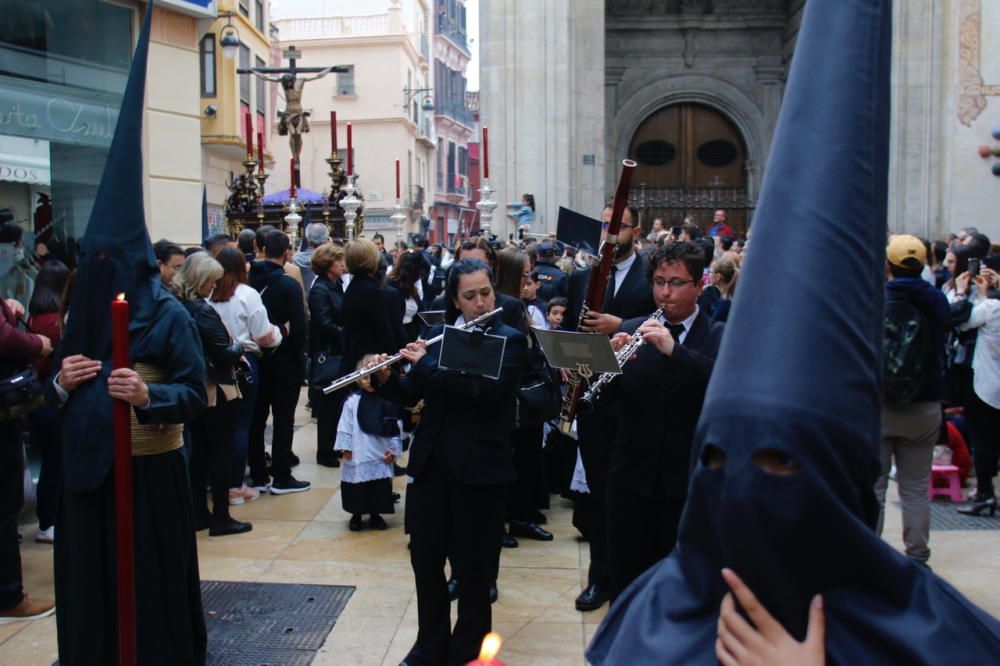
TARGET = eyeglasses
(675,283)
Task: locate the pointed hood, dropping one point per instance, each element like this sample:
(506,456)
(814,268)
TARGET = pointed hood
(787,446)
(116,257)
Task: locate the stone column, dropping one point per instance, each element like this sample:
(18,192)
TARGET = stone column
(915,166)
(542,96)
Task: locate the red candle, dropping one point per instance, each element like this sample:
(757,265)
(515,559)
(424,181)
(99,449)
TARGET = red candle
(397,179)
(248,122)
(125,540)
(486,153)
(260,152)
(291,188)
(333,133)
(350,151)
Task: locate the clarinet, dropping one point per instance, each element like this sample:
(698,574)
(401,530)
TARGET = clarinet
(596,287)
(623,356)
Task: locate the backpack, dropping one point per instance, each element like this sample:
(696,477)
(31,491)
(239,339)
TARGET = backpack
(907,368)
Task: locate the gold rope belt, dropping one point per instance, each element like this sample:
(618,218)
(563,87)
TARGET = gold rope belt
(153,439)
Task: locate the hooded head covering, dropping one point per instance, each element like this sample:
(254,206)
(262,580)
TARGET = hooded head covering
(116,257)
(797,382)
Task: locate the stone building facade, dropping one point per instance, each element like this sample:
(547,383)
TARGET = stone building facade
(692,90)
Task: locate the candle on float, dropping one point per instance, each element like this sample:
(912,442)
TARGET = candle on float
(488,652)
(397,179)
(124,536)
(260,152)
(486,153)
(333,133)
(350,151)
(248,123)
(291,188)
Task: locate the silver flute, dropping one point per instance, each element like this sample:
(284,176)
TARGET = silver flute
(347,380)
(623,355)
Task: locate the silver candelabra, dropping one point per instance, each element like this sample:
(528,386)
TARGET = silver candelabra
(350,205)
(398,218)
(486,206)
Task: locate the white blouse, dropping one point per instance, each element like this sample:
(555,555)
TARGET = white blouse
(986,358)
(367,451)
(246,318)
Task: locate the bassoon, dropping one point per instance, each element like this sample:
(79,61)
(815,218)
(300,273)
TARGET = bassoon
(597,286)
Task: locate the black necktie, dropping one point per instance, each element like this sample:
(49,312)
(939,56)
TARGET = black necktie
(609,294)
(676,330)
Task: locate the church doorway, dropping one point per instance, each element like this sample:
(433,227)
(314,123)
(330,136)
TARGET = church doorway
(691,162)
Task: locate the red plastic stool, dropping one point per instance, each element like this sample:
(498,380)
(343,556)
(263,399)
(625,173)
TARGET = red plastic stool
(953,490)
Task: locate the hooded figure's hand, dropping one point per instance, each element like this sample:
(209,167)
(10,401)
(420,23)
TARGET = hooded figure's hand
(765,642)
(125,384)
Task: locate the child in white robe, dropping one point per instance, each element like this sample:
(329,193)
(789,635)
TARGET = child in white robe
(368,434)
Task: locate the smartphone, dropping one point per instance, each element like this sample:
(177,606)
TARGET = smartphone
(974,264)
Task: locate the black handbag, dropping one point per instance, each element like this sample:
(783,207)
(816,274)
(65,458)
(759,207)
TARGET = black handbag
(324,368)
(20,394)
(539,397)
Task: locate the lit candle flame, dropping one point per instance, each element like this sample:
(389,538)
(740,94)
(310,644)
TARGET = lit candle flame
(491,647)
(120,297)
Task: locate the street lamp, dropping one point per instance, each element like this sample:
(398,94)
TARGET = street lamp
(229,37)
(410,93)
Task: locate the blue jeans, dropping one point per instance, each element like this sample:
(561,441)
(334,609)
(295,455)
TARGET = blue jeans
(242,415)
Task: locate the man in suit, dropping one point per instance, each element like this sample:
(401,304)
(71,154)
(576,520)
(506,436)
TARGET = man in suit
(628,295)
(667,378)
(461,466)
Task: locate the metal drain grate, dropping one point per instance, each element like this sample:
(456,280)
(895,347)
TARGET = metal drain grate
(265,624)
(945,517)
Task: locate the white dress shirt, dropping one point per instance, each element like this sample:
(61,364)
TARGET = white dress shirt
(621,271)
(986,358)
(687,324)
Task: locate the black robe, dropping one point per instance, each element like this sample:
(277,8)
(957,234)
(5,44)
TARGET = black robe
(170,626)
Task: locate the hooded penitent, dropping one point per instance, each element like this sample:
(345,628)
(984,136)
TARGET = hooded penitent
(797,381)
(116,257)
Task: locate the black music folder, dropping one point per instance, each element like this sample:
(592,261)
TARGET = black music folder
(578,231)
(569,350)
(432,317)
(472,352)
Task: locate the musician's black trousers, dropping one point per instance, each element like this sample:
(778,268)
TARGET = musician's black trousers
(596,432)
(462,522)
(642,531)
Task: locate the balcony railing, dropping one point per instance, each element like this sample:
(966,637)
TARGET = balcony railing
(334,26)
(456,110)
(455,33)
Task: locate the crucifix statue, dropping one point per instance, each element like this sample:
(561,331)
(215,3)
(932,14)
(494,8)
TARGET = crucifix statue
(293,121)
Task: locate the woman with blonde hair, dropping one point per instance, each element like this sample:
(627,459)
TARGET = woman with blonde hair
(326,344)
(725,272)
(367,325)
(212,430)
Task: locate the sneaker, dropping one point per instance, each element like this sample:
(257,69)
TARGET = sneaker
(250,494)
(262,486)
(236,496)
(289,485)
(28,609)
(46,536)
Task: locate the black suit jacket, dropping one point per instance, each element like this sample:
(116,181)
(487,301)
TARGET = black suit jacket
(634,299)
(658,400)
(468,419)
(368,322)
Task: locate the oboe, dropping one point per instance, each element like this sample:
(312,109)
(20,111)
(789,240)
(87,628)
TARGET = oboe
(623,356)
(347,380)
